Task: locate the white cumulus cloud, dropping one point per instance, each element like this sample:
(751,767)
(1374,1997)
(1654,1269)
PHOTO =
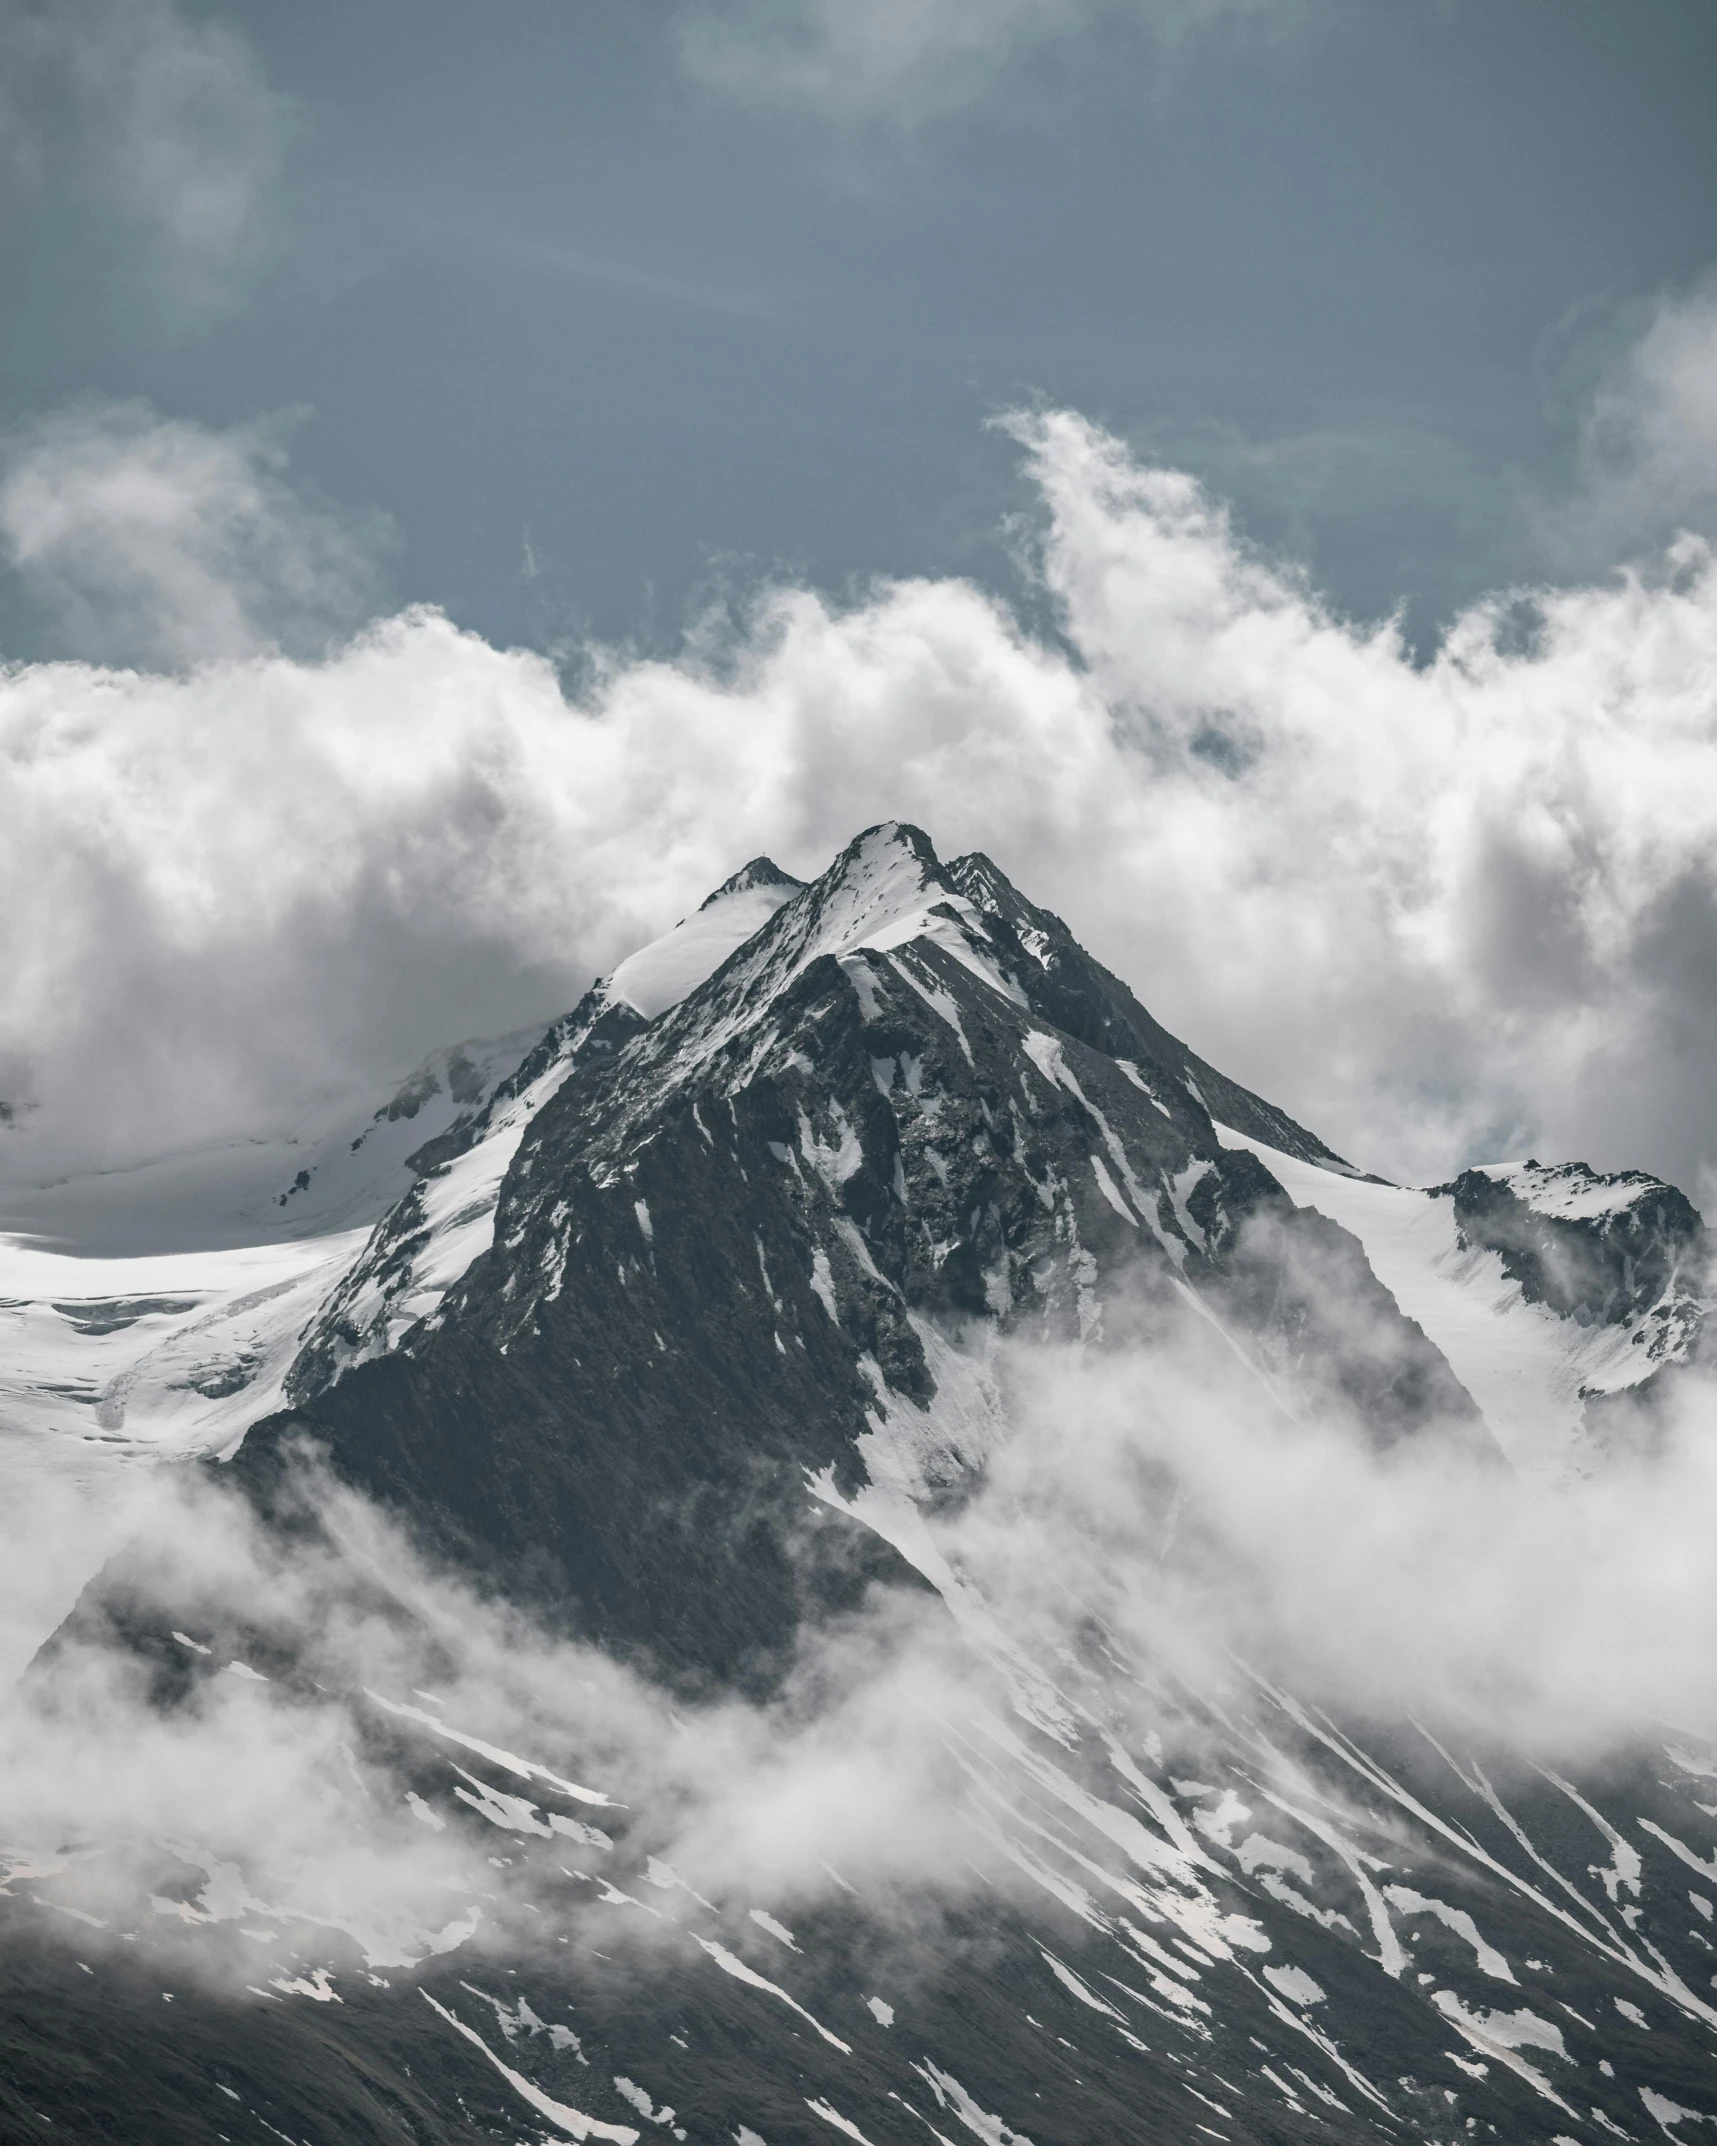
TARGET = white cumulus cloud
(1437,910)
(160,542)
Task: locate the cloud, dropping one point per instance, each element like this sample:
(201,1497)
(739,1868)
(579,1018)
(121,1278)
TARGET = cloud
(240,891)
(897,61)
(1144,1496)
(1442,910)
(308,1721)
(1648,433)
(1465,902)
(149,541)
(1561,1616)
(145,139)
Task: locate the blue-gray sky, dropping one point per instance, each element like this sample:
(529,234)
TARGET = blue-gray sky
(605,303)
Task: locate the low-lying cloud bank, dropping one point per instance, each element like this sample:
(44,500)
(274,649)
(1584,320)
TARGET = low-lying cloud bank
(296,1732)
(316,1744)
(1561,1617)
(1440,910)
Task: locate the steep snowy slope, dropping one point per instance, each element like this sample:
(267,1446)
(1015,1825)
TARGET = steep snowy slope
(426,1243)
(1542,1286)
(661,974)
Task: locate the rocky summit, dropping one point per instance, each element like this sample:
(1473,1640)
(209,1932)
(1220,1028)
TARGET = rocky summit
(737,1391)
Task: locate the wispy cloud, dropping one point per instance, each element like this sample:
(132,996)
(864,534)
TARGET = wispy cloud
(151,132)
(1647,443)
(316,1734)
(635,279)
(900,62)
(154,541)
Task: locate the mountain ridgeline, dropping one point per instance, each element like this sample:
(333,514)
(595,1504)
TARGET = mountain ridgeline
(908,1099)
(688,1338)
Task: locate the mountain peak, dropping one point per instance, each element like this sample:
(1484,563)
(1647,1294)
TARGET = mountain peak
(660,975)
(760,872)
(985,884)
(877,892)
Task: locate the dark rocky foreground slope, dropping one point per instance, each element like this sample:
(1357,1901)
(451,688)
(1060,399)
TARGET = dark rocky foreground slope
(687,1342)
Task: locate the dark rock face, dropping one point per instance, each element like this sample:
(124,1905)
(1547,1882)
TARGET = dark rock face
(1082,998)
(673,1272)
(647,1489)
(1598,1250)
(113,2062)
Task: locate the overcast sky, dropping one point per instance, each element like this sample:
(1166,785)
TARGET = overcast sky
(571,318)
(600,301)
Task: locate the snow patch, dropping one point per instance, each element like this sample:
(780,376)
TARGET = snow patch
(670,968)
(572,2121)
(1294,1984)
(778,1931)
(1408,1902)
(732,1965)
(823,1283)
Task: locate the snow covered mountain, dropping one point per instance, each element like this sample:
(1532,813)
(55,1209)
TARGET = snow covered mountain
(704,1325)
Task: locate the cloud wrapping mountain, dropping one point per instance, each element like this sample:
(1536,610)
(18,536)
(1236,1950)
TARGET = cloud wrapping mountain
(918,1509)
(1142,1492)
